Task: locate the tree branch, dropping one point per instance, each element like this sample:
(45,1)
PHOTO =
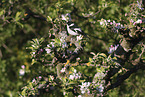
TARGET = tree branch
(123,77)
(30,13)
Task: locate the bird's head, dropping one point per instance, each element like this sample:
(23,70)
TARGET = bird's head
(66,17)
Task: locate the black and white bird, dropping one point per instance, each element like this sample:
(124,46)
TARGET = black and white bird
(72,29)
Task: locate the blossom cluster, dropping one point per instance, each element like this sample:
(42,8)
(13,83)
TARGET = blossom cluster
(98,80)
(139,21)
(85,87)
(114,26)
(22,70)
(113,48)
(135,17)
(64,42)
(75,75)
(49,47)
(139,6)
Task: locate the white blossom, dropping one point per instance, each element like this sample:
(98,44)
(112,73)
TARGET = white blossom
(101,23)
(51,77)
(75,70)
(62,70)
(131,20)
(79,37)
(112,48)
(139,6)
(100,88)
(71,77)
(108,20)
(22,72)
(48,45)
(34,80)
(33,53)
(114,22)
(23,66)
(40,77)
(64,45)
(48,50)
(139,21)
(52,43)
(85,87)
(74,75)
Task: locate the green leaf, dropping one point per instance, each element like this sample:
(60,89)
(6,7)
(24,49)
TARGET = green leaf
(17,17)
(49,19)
(1,12)
(33,61)
(81,81)
(102,54)
(20,24)
(90,59)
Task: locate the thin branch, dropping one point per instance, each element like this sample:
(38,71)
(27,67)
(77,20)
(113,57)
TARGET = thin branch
(9,50)
(30,13)
(1,55)
(142,51)
(75,11)
(91,15)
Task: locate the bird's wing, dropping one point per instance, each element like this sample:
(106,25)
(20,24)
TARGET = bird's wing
(71,31)
(76,30)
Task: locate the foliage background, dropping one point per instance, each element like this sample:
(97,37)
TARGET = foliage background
(22,21)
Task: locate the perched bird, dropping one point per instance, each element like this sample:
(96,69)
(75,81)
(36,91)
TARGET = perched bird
(72,29)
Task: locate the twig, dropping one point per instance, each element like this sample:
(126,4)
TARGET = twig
(34,15)
(1,55)
(9,50)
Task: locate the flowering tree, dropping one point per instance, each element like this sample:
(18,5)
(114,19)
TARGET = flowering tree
(60,54)
(85,61)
